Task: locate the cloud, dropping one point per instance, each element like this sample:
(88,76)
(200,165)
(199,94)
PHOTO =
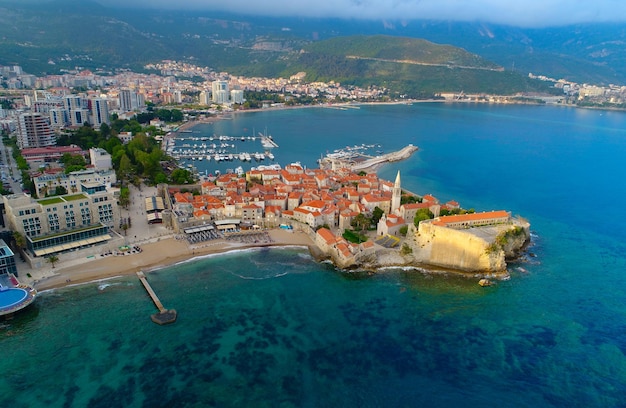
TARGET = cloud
(528,13)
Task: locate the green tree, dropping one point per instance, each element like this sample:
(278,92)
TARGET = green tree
(181,176)
(361,222)
(20,240)
(124,169)
(377,214)
(409,199)
(60,190)
(6,104)
(421,215)
(124,197)
(176,116)
(160,177)
(105,131)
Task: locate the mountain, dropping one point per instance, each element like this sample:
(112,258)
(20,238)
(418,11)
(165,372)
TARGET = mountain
(63,34)
(412,66)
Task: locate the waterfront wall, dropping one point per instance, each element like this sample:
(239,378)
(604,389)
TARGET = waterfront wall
(459,249)
(480,249)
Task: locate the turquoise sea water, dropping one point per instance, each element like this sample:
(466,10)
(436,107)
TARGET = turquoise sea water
(274,328)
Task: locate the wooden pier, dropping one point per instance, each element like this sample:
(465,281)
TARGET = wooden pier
(164,316)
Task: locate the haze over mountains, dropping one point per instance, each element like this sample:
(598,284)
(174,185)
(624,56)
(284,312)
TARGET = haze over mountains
(45,37)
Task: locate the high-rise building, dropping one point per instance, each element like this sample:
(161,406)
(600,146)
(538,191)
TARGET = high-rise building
(236,96)
(130,100)
(125,97)
(205,98)
(34,131)
(76,109)
(220,91)
(79,117)
(99,112)
(73,102)
(59,118)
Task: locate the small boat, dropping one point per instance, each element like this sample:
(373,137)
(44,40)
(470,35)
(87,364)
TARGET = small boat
(485,282)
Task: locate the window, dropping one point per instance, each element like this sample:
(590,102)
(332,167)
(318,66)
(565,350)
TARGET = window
(53,220)
(85,216)
(70,220)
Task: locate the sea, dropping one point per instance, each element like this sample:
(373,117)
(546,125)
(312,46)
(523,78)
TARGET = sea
(275,328)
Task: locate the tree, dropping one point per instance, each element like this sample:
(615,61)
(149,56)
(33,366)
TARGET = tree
(20,240)
(409,199)
(176,116)
(125,168)
(361,222)
(52,259)
(60,190)
(105,130)
(181,176)
(377,214)
(421,215)
(124,197)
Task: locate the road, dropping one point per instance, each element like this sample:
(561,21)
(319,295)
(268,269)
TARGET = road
(9,171)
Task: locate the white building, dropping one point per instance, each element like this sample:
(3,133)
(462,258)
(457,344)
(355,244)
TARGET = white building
(34,131)
(100,158)
(47,183)
(236,96)
(130,100)
(220,91)
(99,112)
(205,98)
(62,223)
(125,100)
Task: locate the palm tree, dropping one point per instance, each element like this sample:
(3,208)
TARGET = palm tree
(52,259)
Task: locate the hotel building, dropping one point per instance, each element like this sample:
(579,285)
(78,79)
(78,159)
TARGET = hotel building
(62,223)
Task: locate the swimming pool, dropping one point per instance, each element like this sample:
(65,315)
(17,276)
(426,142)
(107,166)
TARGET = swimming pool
(11,297)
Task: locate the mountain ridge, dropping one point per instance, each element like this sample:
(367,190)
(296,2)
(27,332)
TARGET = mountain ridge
(89,34)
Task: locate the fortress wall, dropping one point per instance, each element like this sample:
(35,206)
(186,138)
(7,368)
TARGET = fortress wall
(459,249)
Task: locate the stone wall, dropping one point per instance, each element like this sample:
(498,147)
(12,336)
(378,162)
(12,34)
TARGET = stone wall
(459,249)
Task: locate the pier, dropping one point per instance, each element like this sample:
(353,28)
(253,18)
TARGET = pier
(267,141)
(164,316)
(356,163)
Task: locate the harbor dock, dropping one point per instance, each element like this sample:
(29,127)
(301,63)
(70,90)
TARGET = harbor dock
(164,316)
(361,162)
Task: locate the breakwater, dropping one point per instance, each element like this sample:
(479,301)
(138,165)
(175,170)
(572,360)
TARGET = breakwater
(366,163)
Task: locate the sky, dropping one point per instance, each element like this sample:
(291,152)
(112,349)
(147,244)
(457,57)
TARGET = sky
(524,13)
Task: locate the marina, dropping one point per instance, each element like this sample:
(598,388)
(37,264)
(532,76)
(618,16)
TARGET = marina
(215,154)
(190,151)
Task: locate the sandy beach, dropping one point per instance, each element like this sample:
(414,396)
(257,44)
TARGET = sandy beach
(156,255)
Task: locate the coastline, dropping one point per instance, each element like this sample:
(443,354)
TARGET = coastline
(167,251)
(212,119)
(158,255)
